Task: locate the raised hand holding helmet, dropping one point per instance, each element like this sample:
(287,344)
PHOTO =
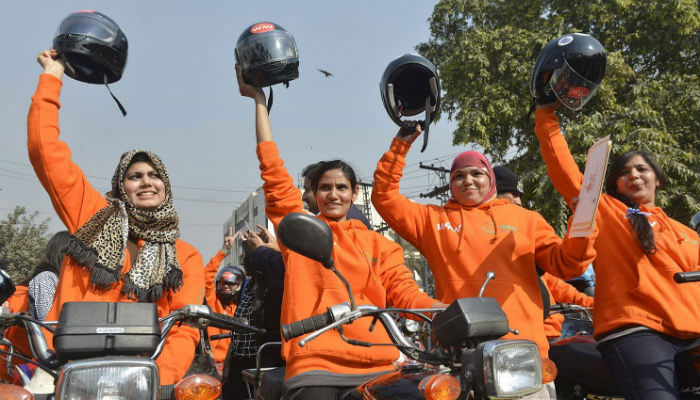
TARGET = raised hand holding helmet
(410,85)
(570,69)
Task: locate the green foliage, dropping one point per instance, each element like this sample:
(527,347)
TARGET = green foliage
(650,98)
(22,243)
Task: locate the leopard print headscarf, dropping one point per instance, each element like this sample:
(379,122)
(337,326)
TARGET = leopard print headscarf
(99,245)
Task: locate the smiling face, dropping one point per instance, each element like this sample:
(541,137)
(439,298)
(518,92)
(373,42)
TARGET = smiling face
(469,185)
(638,181)
(143,186)
(334,195)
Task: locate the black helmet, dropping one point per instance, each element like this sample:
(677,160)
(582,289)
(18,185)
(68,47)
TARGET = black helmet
(93,46)
(229,275)
(267,54)
(571,67)
(410,85)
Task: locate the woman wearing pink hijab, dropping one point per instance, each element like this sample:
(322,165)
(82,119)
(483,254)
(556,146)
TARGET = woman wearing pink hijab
(474,233)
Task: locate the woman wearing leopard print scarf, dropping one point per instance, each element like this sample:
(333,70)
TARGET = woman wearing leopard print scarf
(125,246)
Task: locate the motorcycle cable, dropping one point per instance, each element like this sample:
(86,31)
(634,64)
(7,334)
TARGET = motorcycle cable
(42,324)
(30,361)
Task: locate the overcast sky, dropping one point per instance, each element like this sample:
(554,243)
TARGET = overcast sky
(180,92)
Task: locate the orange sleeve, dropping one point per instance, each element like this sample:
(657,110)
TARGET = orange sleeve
(180,345)
(73,197)
(562,292)
(567,258)
(406,217)
(402,290)
(561,167)
(281,196)
(210,275)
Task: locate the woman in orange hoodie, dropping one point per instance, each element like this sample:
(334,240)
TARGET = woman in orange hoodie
(372,264)
(125,245)
(637,303)
(474,233)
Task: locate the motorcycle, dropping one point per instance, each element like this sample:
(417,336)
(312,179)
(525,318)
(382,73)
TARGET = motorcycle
(468,361)
(581,371)
(105,351)
(688,359)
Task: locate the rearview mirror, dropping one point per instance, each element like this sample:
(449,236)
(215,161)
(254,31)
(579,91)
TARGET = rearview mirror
(7,288)
(308,236)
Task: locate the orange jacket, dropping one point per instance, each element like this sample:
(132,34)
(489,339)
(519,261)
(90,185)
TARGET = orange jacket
(18,302)
(75,201)
(372,264)
(561,292)
(632,288)
(462,244)
(219,347)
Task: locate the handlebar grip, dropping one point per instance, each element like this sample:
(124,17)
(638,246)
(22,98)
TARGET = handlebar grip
(226,322)
(306,325)
(684,277)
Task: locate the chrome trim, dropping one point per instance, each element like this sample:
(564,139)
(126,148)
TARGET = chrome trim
(113,361)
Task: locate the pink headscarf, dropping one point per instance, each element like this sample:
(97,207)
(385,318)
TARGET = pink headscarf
(475,159)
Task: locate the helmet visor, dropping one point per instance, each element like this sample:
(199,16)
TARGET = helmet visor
(266,48)
(572,89)
(87,24)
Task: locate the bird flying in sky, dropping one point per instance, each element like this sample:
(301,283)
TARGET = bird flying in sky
(324,72)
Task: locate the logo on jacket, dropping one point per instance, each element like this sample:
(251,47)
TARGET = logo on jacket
(449,227)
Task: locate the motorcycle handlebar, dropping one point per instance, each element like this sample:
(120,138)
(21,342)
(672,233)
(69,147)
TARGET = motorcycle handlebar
(685,277)
(306,325)
(225,322)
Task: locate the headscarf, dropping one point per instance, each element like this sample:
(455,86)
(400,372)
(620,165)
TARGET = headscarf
(99,245)
(475,159)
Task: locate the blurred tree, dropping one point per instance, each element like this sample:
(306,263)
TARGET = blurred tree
(650,98)
(22,243)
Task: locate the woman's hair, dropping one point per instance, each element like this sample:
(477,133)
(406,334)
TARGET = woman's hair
(139,157)
(53,255)
(639,222)
(320,168)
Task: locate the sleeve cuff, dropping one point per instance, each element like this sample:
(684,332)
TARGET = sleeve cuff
(399,146)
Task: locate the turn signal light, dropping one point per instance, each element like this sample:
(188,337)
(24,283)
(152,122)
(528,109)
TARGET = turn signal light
(198,387)
(549,370)
(440,387)
(14,392)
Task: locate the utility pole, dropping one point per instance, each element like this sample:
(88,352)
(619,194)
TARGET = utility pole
(439,192)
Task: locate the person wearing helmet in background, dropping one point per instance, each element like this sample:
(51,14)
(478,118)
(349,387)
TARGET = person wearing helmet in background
(220,289)
(125,246)
(372,264)
(476,232)
(638,304)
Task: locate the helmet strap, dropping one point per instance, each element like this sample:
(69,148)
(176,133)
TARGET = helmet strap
(426,124)
(269,101)
(121,107)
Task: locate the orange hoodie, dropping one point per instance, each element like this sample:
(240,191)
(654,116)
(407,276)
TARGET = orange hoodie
(561,292)
(632,288)
(372,264)
(462,244)
(75,201)
(18,302)
(219,347)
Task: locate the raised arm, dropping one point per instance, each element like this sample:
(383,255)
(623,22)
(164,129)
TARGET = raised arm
(565,258)
(73,197)
(281,196)
(561,167)
(212,268)
(406,217)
